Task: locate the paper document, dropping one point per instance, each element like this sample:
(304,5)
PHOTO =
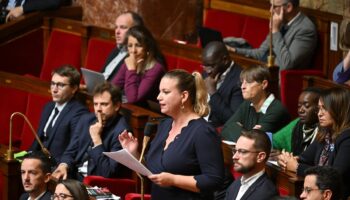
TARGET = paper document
(125,158)
(229,142)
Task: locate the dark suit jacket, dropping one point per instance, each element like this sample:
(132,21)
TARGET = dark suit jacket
(79,150)
(46,196)
(226,100)
(338,158)
(262,189)
(35,5)
(114,53)
(63,129)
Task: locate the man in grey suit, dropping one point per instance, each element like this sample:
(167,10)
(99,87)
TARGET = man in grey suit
(294,37)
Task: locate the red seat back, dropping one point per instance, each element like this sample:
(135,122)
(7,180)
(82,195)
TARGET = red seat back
(97,53)
(135,196)
(189,65)
(12,100)
(255,31)
(35,105)
(63,48)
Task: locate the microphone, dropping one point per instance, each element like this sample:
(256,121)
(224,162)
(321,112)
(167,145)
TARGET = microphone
(271,57)
(150,128)
(10,151)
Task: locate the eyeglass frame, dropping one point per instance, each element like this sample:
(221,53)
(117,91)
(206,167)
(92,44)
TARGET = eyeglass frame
(59,85)
(307,190)
(243,152)
(276,6)
(60,196)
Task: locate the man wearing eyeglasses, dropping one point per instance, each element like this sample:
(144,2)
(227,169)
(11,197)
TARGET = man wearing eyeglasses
(249,157)
(60,116)
(294,37)
(35,173)
(322,183)
(222,82)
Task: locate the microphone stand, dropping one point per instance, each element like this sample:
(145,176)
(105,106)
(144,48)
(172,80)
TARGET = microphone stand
(10,151)
(149,129)
(271,57)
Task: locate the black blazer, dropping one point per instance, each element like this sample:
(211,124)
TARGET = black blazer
(63,129)
(226,100)
(46,196)
(262,189)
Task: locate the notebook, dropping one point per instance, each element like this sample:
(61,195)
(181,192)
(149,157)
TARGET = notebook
(91,79)
(207,35)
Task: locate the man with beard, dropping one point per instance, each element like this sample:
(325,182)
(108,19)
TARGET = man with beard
(35,171)
(95,133)
(249,157)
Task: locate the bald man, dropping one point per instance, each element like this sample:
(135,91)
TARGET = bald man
(223,83)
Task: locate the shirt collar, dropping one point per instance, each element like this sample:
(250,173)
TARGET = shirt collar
(291,21)
(252,179)
(266,103)
(38,197)
(60,107)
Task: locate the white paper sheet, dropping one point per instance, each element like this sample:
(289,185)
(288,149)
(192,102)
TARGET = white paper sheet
(125,158)
(229,142)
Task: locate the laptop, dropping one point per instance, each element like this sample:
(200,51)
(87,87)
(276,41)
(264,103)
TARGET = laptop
(207,35)
(91,79)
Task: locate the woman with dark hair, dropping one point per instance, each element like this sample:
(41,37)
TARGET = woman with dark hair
(332,144)
(143,68)
(70,189)
(185,156)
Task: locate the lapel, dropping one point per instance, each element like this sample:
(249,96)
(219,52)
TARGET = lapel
(253,187)
(46,115)
(236,187)
(228,81)
(61,116)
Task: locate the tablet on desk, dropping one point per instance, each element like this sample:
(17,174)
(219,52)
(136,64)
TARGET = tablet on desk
(92,78)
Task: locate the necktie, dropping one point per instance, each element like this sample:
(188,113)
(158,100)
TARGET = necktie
(18,3)
(49,127)
(284,30)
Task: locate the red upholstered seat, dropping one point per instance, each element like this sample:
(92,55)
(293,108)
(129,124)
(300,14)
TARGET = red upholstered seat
(63,48)
(12,100)
(35,105)
(135,196)
(291,87)
(189,65)
(171,61)
(119,187)
(97,53)
(228,23)
(255,30)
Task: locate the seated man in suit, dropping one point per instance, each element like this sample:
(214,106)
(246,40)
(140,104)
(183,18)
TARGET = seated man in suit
(222,81)
(249,157)
(116,58)
(36,172)
(322,183)
(60,116)
(95,133)
(19,7)
(259,110)
(294,37)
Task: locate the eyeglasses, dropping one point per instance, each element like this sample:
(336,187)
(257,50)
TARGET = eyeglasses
(59,85)
(276,6)
(307,190)
(242,152)
(60,196)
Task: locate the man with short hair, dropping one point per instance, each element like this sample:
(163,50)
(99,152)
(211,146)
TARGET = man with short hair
(95,133)
(322,183)
(35,172)
(294,37)
(249,157)
(116,58)
(60,116)
(222,81)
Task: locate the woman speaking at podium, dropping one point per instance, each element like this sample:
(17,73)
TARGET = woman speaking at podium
(185,156)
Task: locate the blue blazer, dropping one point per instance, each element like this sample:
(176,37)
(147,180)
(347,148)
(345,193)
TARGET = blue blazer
(63,128)
(226,100)
(46,196)
(262,189)
(80,148)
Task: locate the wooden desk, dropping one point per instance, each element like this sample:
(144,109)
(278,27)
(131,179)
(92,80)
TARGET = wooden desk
(314,81)
(11,176)
(287,181)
